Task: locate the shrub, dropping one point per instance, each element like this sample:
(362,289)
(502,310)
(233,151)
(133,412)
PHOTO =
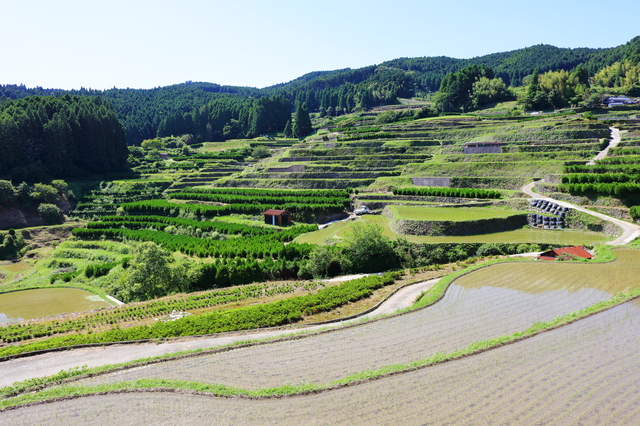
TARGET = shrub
(50,214)
(489,249)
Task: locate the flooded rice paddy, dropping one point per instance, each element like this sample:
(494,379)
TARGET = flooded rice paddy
(37,303)
(585,373)
(468,313)
(16,267)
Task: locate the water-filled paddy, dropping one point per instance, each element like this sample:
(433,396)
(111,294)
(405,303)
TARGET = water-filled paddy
(28,304)
(472,309)
(584,373)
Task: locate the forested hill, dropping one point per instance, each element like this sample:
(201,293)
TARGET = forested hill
(146,113)
(45,137)
(142,110)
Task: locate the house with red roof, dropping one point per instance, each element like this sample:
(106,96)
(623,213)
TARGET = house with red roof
(277,217)
(574,251)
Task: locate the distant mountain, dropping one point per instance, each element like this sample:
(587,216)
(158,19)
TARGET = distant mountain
(143,111)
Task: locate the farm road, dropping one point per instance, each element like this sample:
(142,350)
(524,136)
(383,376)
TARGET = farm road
(629,231)
(615,140)
(53,362)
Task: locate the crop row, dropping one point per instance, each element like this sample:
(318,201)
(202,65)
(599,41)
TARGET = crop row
(254,199)
(448,192)
(630,169)
(256,247)
(271,192)
(611,189)
(590,148)
(18,332)
(631,159)
(227,154)
(91,200)
(257,316)
(600,178)
(623,152)
(206,226)
(210,211)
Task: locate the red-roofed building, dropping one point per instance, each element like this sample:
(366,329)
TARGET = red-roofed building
(575,251)
(277,217)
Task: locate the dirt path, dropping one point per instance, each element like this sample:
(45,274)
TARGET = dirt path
(629,231)
(615,140)
(53,362)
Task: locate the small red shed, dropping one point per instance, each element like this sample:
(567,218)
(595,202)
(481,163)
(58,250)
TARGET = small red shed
(277,217)
(576,251)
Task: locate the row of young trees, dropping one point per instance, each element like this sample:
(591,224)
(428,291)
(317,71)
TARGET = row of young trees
(448,192)
(616,189)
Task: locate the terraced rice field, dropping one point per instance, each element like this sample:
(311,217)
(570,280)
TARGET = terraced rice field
(585,373)
(28,304)
(564,237)
(479,306)
(457,214)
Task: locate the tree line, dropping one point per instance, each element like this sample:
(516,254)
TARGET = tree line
(68,136)
(214,112)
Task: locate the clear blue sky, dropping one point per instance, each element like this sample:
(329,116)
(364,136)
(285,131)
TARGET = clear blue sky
(70,44)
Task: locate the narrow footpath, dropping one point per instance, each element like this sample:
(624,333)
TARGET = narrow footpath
(615,140)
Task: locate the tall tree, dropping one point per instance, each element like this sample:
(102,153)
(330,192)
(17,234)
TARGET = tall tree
(302,122)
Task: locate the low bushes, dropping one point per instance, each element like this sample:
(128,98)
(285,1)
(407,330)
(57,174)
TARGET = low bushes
(448,192)
(268,315)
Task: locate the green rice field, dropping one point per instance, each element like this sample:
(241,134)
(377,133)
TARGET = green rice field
(454,214)
(336,231)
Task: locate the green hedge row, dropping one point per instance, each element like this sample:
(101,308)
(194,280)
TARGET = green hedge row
(600,178)
(610,189)
(258,316)
(257,246)
(263,200)
(272,192)
(448,192)
(206,226)
(163,206)
(600,168)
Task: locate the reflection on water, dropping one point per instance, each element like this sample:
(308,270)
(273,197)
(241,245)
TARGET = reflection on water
(4,319)
(541,276)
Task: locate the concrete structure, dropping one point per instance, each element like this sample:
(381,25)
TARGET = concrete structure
(443,182)
(483,147)
(277,217)
(297,168)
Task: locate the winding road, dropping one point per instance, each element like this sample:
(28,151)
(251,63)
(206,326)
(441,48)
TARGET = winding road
(629,231)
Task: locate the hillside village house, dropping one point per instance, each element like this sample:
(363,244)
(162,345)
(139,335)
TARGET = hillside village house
(575,251)
(277,217)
